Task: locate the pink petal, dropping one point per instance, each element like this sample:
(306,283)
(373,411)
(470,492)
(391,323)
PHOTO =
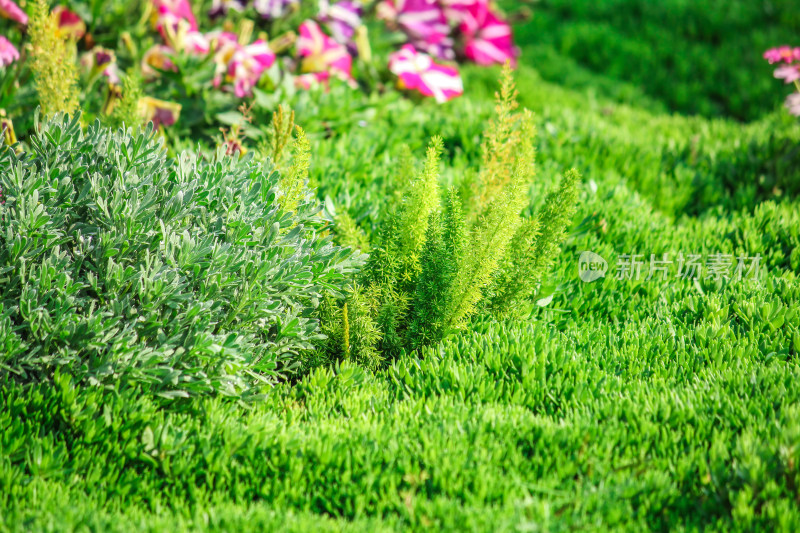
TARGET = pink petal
(10,10)
(788,73)
(8,53)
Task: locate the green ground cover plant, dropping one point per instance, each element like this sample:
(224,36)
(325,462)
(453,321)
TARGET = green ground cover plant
(553,404)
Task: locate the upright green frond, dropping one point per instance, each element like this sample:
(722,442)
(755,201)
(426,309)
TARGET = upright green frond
(488,242)
(294,179)
(422,200)
(501,142)
(406,173)
(349,234)
(392,320)
(535,246)
(362,333)
(53,63)
(351,329)
(445,243)
(513,277)
(281,135)
(126,112)
(554,220)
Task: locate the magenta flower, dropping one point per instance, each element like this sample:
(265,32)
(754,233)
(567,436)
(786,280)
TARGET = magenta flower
(194,43)
(785,54)
(248,64)
(103,61)
(225,46)
(488,38)
(458,10)
(158,58)
(424,22)
(788,73)
(10,10)
(341,18)
(8,53)
(418,71)
(313,79)
(169,15)
(69,23)
(321,53)
(273,9)
(793,104)
(160,112)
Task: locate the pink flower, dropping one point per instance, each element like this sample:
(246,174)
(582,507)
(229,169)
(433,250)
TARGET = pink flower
(194,43)
(160,112)
(248,64)
(793,104)
(101,61)
(321,53)
(314,79)
(457,10)
(424,22)
(170,13)
(341,18)
(488,38)
(788,73)
(787,54)
(8,53)
(418,71)
(10,10)
(225,46)
(69,23)
(158,58)
(241,65)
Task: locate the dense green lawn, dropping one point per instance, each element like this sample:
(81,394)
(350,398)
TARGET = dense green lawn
(660,404)
(700,57)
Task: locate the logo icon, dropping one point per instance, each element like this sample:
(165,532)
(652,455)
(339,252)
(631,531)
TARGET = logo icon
(591,267)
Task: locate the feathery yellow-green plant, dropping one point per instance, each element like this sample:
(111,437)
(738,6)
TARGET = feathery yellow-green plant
(506,133)
(436,264)
(126,111)
(349,234)
(534,248)
(351,330)
(422,199)
(281,142)
(489,240)
(293,181)
(282,128)
(53,62)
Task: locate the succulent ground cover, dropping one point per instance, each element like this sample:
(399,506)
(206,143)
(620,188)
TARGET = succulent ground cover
(665,400)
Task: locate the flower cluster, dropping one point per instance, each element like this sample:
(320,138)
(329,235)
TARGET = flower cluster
(326,46)
(788,70)
(288,42)
(238,65)
(418,71)
(435,26)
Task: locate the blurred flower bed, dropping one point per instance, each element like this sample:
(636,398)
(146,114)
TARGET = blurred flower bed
(197,62)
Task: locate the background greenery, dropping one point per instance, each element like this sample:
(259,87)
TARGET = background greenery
(620,406)
(700,57)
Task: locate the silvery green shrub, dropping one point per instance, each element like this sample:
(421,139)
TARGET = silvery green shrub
(120,263)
